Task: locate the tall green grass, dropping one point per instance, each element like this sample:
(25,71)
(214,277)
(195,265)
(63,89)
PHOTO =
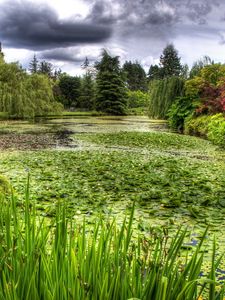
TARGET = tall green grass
(59,259)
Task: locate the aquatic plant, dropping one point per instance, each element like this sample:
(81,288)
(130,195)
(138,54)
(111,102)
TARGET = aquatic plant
(59,259)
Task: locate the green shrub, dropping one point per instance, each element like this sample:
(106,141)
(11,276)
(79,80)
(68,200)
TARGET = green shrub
(216,130)
(197,126)
(211,127)
(137,99)
(179,111)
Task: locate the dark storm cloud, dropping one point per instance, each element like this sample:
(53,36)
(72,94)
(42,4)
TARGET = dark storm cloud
(67,55)
(37,27)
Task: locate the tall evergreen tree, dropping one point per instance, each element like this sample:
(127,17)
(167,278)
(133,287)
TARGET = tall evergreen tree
(111,94)
(33,65)
(135,76)
(87,90)
(155,73)
(170,62)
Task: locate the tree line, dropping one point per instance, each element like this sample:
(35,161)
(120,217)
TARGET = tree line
(106,86)
(114,89)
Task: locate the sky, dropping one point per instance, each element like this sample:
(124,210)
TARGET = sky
(64,32)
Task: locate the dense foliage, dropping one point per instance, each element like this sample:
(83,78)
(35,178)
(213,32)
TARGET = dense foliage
(135,76)
(209,126)
(111,95)
(200,64)
(137,99)
(48,251)
(202,110)
(155,73)
(23,95)
(179,111)
(104,261)
(163,93)
(70,89)
(137,102)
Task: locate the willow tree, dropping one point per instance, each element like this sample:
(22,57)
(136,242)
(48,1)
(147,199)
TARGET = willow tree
(39,90)
(163,93)
(111,96)
(23,95)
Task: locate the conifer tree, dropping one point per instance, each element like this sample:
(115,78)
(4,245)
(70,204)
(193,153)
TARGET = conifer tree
(155,73)
(170,62)
(87,90)
(111,96)
(33,65)
(135,76)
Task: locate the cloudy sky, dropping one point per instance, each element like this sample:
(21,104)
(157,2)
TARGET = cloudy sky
(64,32)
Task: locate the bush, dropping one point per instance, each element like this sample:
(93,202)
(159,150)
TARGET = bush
(216,130)
(137,99)
(197,126)
(179,111)
(211,127)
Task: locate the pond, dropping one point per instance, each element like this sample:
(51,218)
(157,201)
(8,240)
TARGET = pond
(100,165)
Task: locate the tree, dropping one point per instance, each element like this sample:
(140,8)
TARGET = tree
(87,90)
(163,93)
(33,65)
(200,64)
(170,62)
(70,88)
(87,93)
(111,94)
(23,95)
(185,71)
(155,73)
(208,89)
(85,64)
(46,68)
(135,76)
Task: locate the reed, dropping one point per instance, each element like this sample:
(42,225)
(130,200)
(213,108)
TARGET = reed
(59,259)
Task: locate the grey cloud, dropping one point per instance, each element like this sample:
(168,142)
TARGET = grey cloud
(131,16)
(37,27)
(70,55)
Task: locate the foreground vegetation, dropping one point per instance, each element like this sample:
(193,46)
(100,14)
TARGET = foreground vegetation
(62,241)
(62,260)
